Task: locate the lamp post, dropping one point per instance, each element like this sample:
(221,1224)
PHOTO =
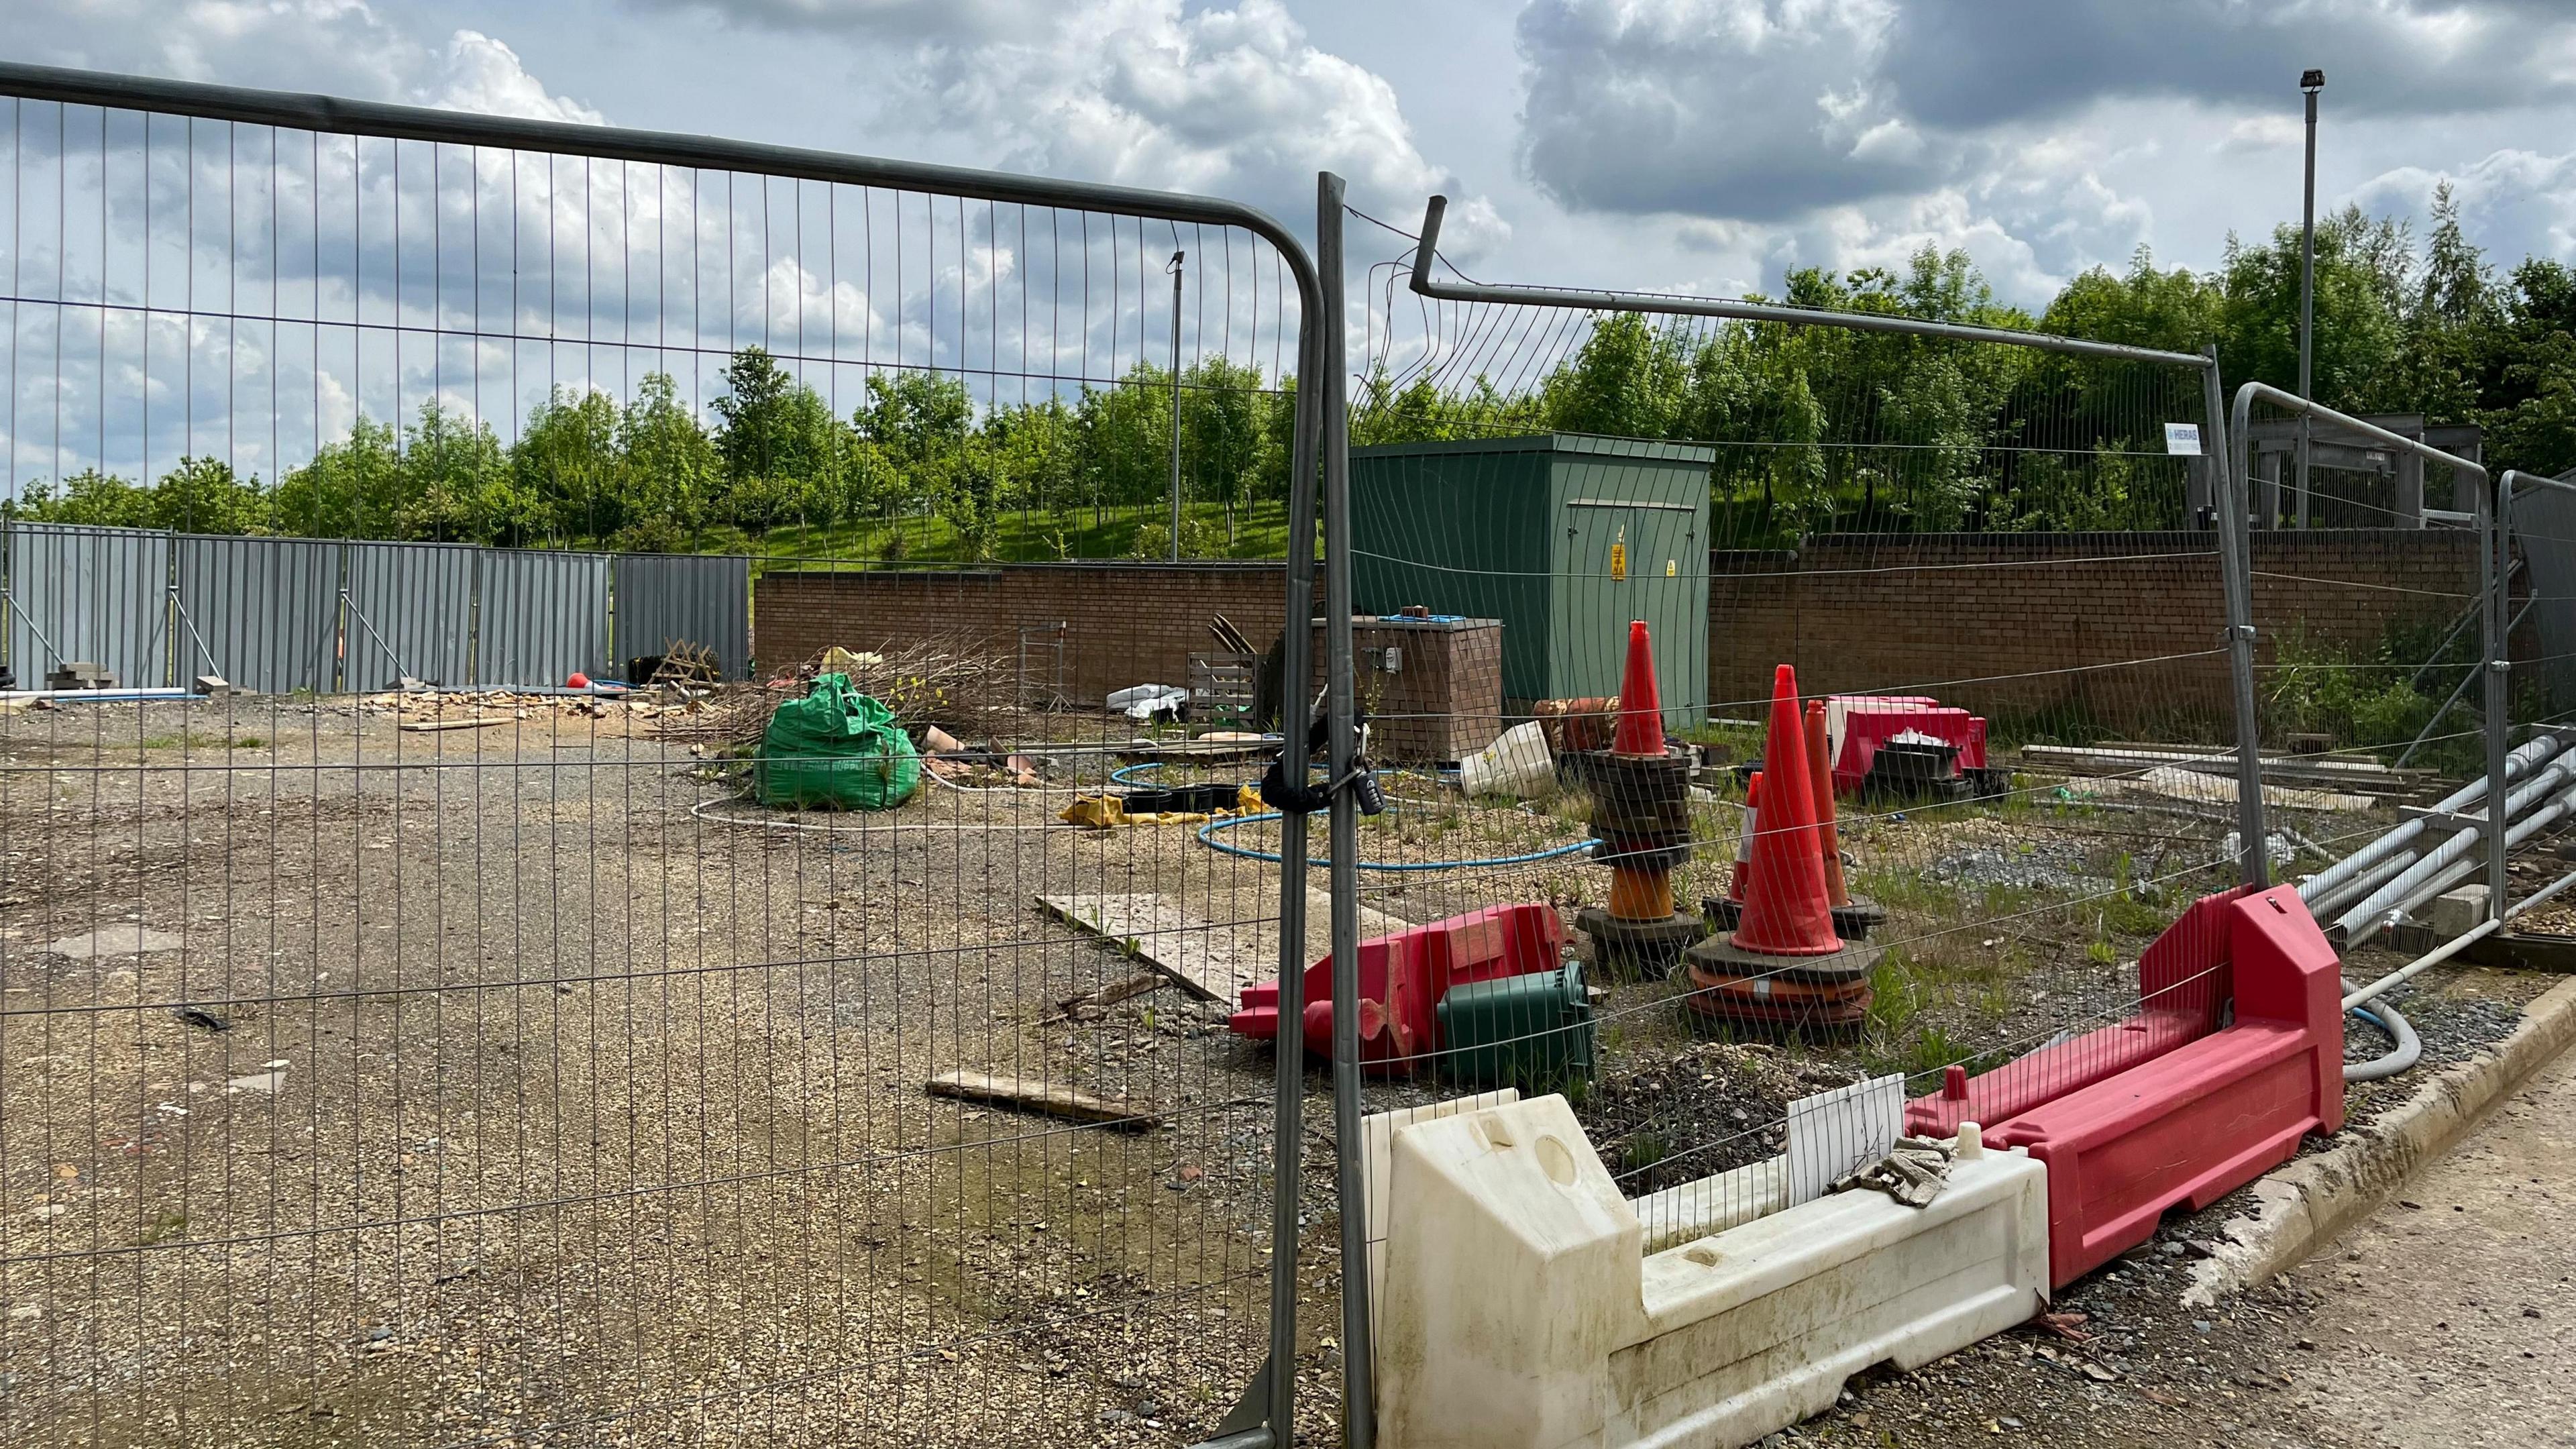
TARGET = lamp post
(2310,82)
(1174,267)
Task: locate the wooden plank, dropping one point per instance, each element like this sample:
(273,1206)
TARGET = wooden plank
(1212,962)
(1036,1094)
(433,726)
(2181,784)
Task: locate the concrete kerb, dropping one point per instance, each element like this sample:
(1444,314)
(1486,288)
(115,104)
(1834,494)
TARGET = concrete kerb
(2307,1204)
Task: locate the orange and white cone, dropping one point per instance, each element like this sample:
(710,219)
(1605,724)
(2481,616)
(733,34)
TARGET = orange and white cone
(1783,964)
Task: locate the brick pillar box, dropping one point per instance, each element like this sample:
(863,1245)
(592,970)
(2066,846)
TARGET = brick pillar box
(1433,687)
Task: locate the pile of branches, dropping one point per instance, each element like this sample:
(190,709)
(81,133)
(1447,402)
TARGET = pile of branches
(939,681)
(935,682)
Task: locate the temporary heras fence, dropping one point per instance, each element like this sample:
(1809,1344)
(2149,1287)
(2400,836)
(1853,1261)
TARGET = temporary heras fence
(442,1067)
(1950,671)
(151,609)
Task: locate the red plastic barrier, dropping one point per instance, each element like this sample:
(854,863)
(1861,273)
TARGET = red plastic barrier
(2198,1122)
(2182,978)
(1869,721)
(1402,977)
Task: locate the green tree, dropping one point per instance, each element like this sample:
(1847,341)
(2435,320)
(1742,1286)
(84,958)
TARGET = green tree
(1222,423)
(349,489)
(455,483)
(568,467)
(203,495)
(669,469)
(89,497)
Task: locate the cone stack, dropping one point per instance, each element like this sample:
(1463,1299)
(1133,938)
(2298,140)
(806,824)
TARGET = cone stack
(1784,965)
(1641,816)
(1853,915)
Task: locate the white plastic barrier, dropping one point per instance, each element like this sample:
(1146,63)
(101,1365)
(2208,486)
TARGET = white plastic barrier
(1519,1308)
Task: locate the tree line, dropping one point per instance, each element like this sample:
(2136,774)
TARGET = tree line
(1825,428)
(652,475)
(1816,428)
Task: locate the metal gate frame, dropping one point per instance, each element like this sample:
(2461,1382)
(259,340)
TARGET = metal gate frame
(2235,576)
(1265,1417)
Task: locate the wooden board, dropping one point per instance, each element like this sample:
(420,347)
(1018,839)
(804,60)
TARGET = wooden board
(435,726)
(1035,1094)
(1210,961)
(2176,783)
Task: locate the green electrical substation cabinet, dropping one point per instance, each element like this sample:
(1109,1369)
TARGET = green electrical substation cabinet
(1564,537)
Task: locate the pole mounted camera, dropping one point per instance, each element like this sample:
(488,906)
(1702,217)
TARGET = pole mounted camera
(2312,80)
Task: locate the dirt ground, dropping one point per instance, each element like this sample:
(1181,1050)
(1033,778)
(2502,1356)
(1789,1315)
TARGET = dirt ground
(499,1086)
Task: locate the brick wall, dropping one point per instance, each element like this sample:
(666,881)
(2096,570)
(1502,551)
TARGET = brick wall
(2124,627)
(2043,622)
(1125,623)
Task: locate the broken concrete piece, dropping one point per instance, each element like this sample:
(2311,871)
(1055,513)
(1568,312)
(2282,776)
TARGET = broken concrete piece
(1914,1173)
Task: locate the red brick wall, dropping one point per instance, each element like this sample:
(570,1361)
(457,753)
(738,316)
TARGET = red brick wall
(2016,623)
(1125,623)
(2124,627)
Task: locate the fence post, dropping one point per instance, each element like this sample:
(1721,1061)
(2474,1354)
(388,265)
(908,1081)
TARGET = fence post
(1359,1397)
(2236,580)
(2495,560)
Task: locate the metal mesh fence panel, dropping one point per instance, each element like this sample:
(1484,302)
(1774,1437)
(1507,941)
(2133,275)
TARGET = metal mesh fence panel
(484,1061)
(1985,587)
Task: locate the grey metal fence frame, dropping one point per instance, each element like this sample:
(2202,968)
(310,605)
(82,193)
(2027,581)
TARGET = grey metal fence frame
(1266,1414)
(2233,577)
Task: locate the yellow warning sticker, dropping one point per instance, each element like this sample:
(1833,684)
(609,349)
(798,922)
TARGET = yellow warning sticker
(1672,568)
(1619,561)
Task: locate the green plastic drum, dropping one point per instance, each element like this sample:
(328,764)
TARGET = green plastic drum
(1533,1032)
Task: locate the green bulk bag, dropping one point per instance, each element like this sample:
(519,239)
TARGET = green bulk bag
(835,749)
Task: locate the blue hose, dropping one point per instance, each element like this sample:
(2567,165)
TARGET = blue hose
(1119,776)
(1207,837)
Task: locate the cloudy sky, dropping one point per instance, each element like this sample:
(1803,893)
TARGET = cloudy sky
(1671,144)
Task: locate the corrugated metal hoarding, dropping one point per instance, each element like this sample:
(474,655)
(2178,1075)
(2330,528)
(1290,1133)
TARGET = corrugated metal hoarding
(701,599)
(96,594)
(411,611)
(540,617)
(282,614)
(262,612)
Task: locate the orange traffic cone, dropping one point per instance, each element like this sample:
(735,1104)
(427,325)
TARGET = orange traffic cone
(1744,843)
(1853,916)
(1641,816)
(1784,965)
(1640,734)
(1786,912)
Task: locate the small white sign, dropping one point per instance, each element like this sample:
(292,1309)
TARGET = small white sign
(1833,1134)
(2182,439)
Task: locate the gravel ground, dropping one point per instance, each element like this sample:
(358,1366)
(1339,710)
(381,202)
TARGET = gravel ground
(2367,1346)
(474,1090)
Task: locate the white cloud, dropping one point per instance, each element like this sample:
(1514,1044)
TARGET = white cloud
(342,47)
(2511,193)
(1231,100)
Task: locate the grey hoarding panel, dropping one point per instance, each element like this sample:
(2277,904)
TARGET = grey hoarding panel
(95,594)
(702,599)
(2544,522)
(262,612)
(540,616)
(411,612)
